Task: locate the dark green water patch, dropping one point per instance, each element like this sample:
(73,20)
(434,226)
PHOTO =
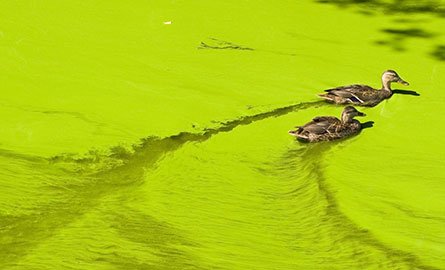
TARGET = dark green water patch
(439,53)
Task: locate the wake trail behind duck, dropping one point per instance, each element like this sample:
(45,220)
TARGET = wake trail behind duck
(86,179)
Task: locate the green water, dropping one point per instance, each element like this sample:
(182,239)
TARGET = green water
(128,142)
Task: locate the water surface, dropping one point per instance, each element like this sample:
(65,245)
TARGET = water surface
(154,136)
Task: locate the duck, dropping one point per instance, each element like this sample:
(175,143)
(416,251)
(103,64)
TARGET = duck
(363,95)
(328,128)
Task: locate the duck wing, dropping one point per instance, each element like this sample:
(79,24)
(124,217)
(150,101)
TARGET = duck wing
(320,125)
(356,93)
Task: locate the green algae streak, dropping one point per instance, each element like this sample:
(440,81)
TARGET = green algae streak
(153,135)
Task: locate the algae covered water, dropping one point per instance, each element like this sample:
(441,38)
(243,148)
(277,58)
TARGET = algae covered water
(153,135)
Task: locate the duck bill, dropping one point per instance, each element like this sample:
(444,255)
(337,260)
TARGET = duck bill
(401,81)
(361,114)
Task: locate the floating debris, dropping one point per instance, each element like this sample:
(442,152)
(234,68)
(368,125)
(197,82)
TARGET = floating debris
(217,44)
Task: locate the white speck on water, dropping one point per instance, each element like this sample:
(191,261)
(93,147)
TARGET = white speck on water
(168,22)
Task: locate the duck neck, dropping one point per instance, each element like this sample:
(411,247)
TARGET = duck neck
(386,85)
(346,118)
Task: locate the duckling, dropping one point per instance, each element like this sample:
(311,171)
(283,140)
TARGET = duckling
(363,95)
(328,128)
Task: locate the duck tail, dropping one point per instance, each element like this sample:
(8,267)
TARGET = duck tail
(296,132)
(326,96)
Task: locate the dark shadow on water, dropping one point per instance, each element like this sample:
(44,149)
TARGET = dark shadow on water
(408,32)
(398,36)
(368,124)
(406,24)
(409,7)
(439,53)
(405,92)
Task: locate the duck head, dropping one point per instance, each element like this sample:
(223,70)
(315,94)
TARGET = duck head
(349,113)
(390,76)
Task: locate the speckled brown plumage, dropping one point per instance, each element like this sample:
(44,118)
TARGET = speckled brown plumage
(363,95)
(328,128)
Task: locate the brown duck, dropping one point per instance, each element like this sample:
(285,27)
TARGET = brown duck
(363,95)
(328,128)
